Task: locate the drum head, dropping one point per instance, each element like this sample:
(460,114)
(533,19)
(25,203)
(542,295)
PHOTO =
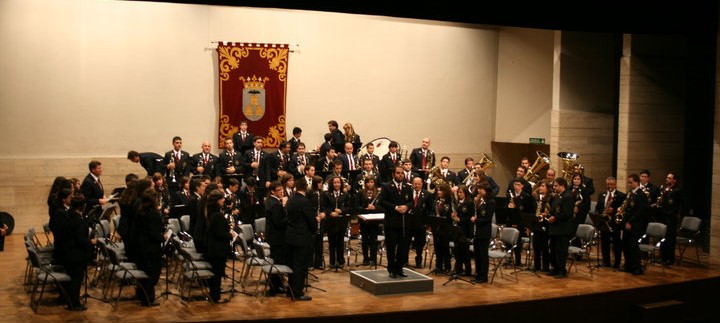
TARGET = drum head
(381,147)
(7,219)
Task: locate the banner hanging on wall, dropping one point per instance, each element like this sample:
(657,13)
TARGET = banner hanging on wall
(253,85)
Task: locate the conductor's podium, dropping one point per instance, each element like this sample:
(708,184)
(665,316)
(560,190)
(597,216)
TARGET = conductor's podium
(378,282)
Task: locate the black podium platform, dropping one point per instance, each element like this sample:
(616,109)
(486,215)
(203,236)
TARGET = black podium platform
(378,282)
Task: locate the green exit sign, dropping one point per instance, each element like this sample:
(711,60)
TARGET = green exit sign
(537,141)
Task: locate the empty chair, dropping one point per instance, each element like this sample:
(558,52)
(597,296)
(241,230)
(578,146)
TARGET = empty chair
(46,274)
(270,268)
(194,273)
(585,234)
(688,235)
(651,241)
(185,223)
(174,225)
(125,273)
(260,228)
(503,253)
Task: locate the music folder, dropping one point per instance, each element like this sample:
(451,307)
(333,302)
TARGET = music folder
(372,217)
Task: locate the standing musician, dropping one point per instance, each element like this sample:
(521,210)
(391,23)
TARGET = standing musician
(669,205)
(302,221)
(422,157)
(233,206)
(389,161)
(408,173)
(315,194)
(252,202)
(338,138)
(562,227)
(634,212)
(464,211)
(651,190)
(73,251)
(295,140)
(484,211)
(91,186)
(149,238)
(219,236)
(396,200)
(422,205)
(177,163)
(540,226)
(349,134)
(440,229)
(288,184)
(349,162)
(163,194)
(367,202)
(610,233)
(550,177)
(299,161)
(326,145)
(523,202)
(243,140)
(276,227)
(464,174)
(336,205)
(254,162)
(581,195)
(370,154)
(204,161)
(230,161)
(278,162)
(151,162)
(449,176)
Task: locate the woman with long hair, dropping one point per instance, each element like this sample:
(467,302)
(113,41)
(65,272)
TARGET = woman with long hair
(367,202)
(484,211)
(441,226)
(464,210)
(218,240)
(315,194)
(350,135)
(540,226)
(58,184)
(149,244)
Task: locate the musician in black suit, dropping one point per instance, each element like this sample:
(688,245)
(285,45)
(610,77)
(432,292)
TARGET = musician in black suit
(204,162)
(177,163)
(582,200)
(218,239)
(325,163)
(276,227)
(336,204)
(422,157)
(151,162)
(524,203)
(367,171)
(610,232)
(327,144)
(669,205)
(251,201)
(408,173)
(464,211)
(396,200)
(277,163)
(74,252)
(634,214)
(348,159)
(316,194)
(295,140)
(370,154)
(443,209)
(449,176)
(367,203)
(243,140)
(92,188)
(651,190)
(540,226)
(562,227)
(422,205)
(484,211)
(230,162)
(254,162)
(298,161)
(494,187)
(463,174)
(149,237)
(302,223)
(389,161)
(520,173)
(338,138)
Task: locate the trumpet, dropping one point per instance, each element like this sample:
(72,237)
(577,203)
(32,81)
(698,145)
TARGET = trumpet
(621,209)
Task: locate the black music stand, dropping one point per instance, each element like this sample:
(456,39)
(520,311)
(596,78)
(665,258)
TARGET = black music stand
(526,221)
(600,222)
(337,223)
(168,251)
(437,225)
(458,237)
(176,211)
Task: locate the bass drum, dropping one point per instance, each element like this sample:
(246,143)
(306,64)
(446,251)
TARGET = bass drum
(382,147)
(7,219)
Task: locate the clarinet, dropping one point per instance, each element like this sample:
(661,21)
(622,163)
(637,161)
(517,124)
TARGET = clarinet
(319,227)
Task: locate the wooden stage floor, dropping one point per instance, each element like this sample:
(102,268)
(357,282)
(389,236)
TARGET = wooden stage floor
(581,297)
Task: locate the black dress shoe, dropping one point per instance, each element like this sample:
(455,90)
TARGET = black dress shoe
(393,275)
(401,273)
(373,263)
(637,272)
(552,273)
(366,262)
(303,298)
(77,308)
(480,280)
(561,275)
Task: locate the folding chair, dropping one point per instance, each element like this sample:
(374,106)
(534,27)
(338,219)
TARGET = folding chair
(46,274)
(586,235)
(270,268)
(655,236)
(689,235)
(499,255)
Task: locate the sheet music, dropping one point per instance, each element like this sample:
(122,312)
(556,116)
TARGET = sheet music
(372,216)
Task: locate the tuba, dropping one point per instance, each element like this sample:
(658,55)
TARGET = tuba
(435,176)
(485,162)
(541,162)
(568,164)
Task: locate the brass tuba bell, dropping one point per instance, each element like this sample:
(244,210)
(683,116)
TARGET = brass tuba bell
(485,162)
(568,164)
(541,162)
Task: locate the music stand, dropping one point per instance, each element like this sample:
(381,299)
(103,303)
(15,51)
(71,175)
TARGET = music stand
(167,251)
(458,237)
(526,221)
(600,222)
(334,225)
(372,218)
(176,211)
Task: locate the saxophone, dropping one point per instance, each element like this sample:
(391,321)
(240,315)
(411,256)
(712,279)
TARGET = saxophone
(621,209)
(538,211)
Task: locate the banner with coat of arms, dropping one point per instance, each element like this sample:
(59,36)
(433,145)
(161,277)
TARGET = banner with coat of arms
(253,85)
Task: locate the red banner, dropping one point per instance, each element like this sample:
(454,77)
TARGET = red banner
(253,85)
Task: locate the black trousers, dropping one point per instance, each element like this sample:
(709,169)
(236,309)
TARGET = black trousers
(611,240)
(541,250)
(218,270)
(559,245)
(77,274)
(300,257)
(482,260)
(631,248)
(151,264)
(397,242)
(418,235)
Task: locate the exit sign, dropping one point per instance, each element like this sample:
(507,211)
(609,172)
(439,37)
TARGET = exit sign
(537,141)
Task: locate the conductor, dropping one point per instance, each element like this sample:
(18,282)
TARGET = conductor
(396,200)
